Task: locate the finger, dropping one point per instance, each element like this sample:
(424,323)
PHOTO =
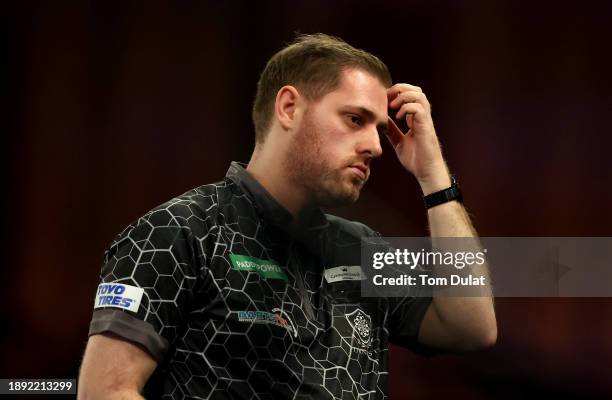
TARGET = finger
(409,108)
(401,87)
(411,97)
(394,134)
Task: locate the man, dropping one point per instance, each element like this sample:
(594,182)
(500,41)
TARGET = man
(227,291)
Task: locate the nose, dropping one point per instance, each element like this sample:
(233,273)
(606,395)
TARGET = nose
(369,143)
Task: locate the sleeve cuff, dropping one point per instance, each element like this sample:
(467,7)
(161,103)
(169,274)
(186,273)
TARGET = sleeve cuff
(130,328)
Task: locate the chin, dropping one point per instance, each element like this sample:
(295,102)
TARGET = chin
(340,199)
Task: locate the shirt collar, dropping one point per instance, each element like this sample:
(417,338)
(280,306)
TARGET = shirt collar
(313,220)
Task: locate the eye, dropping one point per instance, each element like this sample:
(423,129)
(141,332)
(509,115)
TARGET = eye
(355,119)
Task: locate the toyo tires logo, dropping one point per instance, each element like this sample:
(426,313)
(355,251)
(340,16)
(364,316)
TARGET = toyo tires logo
(118,295)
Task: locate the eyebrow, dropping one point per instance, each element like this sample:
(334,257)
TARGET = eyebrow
(382,127)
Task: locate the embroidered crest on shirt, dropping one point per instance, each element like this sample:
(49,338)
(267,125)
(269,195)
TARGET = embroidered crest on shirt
(361,324)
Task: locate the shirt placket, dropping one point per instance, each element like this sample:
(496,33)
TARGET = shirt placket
(295,266)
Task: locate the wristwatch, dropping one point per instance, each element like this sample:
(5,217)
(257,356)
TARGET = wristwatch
(445,195)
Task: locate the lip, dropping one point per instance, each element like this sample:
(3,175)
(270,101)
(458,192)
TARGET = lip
(360,170)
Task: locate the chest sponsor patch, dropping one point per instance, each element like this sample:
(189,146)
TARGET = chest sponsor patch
(277,317)
(344,273)
(267,269)
(118,295)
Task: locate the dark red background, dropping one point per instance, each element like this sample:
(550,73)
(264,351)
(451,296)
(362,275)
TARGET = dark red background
(112,108)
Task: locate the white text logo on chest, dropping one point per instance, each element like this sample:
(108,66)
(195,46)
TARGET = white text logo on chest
(344,273)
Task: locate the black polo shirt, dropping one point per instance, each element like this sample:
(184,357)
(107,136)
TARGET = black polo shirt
(233,303)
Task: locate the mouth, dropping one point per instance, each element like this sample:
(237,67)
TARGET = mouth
(360,170)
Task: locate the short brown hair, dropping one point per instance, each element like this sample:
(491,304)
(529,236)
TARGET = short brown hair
(312,63)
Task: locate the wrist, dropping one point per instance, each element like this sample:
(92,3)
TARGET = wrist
(435,184)
(450,193)
(437,179)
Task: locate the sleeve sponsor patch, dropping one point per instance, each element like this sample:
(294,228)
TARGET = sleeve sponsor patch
(118,295)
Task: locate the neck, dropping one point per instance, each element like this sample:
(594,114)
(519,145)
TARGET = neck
(270,172)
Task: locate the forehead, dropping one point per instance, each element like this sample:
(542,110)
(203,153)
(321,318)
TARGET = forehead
(359,88)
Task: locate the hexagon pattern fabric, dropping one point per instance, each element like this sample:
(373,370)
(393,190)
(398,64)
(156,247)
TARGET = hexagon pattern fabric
(236,304)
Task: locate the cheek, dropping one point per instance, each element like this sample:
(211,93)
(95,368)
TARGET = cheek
(332,143)
(334,149)
(342,144)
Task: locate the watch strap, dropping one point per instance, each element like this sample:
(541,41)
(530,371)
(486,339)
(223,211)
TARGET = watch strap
(445,195)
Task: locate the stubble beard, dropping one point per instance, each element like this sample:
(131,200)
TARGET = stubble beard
(326,185)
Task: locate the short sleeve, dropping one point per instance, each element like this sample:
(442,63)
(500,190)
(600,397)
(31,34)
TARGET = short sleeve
(405,317)
(147,281)
(405,314)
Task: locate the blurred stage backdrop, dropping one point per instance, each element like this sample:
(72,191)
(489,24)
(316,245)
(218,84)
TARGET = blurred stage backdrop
(113,107)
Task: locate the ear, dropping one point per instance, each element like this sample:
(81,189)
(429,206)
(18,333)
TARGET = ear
(287,103)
